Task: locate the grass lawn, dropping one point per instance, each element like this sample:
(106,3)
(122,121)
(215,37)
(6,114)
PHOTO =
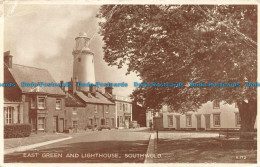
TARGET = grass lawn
(201,150)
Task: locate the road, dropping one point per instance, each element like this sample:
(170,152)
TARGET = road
(109,146)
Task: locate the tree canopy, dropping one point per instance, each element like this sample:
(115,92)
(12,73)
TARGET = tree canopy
(184,43)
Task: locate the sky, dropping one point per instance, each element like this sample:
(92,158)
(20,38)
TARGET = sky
(43,36)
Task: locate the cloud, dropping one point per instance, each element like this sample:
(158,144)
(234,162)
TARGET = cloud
(41,27)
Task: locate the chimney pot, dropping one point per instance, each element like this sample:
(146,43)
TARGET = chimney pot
(109,90)
(8,59)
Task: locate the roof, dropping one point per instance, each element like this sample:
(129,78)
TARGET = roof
(28,74)
(12,99)
(116,98)
(72,101)
(98,99)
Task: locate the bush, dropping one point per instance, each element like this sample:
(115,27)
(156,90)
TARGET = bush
(17,130)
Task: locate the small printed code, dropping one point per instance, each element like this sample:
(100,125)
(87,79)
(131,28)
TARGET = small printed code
(241,157)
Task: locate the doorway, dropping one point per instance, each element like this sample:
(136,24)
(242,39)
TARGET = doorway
(55,124)
(178,122)
(61,125)
(198,122)
(207,121)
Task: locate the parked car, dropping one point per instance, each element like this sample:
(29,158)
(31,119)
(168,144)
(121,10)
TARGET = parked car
(134,124)
(104,127)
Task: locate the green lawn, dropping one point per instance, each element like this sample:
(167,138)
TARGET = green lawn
(202,150)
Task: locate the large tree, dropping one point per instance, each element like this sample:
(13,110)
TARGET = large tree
(186,43)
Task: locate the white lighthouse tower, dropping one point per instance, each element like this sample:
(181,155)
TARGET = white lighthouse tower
(83,64)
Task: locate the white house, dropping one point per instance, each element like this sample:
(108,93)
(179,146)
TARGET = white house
(211,115)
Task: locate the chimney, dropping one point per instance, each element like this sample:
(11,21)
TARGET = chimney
(8,59)
(109,90)
(73,87)
(62,87)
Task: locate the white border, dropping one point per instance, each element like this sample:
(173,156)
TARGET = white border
(100,2)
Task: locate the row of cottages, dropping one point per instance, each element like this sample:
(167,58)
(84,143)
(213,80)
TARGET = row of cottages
(210,116)
(87,110)
(53,109)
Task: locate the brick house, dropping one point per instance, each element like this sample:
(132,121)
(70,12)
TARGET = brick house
(42,107)
(88,109)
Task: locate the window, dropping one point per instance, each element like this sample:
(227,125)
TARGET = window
(33,103)
(96,109)
(41,102)
(216,104)
(74,124)
(238,119)
(79,59)
(90,121)
(41,123)
(58,104)
(216,119)
(107,121)
(74,111)
(188,120)
(8,115)
(121,105)
(170,120)
(107,108)
(124,107)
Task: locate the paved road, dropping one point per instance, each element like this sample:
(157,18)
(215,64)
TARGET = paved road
(100,146)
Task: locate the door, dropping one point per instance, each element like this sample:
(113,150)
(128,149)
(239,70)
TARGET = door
(177,122)
(207,121)
(55,124)
(198,122)
(61,125)
(112,122)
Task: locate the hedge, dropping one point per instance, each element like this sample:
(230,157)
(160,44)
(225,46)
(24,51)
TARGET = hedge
(17,130)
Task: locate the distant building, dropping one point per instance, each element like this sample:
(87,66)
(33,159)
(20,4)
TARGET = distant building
(210,116)
(123,107)
(42,107)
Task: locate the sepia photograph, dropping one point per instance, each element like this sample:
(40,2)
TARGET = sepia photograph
(129,83)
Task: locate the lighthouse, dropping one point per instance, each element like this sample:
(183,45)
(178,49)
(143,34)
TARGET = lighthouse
(83,61)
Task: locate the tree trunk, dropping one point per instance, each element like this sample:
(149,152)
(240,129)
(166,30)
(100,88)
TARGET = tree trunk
(247,113)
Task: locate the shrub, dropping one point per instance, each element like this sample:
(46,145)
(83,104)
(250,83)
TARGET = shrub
(17,130)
